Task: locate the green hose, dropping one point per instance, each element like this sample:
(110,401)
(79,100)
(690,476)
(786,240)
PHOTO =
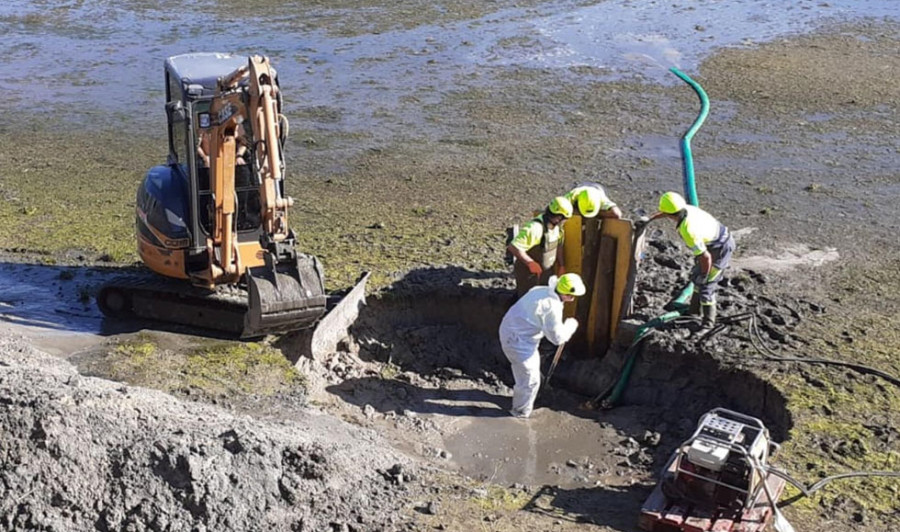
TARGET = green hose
(681,302)
(643,332)
(687,166)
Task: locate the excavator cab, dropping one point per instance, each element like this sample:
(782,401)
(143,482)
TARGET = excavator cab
(216,214)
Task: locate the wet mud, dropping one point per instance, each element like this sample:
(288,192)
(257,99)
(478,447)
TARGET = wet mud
(420,132)
(434,363)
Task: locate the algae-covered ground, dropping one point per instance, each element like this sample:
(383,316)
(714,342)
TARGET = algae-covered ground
(801,145)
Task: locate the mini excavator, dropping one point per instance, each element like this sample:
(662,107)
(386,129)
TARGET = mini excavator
(213,221)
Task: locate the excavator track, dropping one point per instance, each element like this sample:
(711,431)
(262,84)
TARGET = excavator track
(225,309)
(153,297)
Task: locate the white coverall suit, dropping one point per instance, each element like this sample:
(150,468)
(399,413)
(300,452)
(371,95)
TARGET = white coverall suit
(536,314)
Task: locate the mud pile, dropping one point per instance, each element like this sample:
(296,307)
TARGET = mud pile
(728,367)
(80,453)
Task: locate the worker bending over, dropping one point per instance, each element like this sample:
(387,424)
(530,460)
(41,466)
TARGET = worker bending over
(537,246)
(712,246)
(537,314)
(590,200)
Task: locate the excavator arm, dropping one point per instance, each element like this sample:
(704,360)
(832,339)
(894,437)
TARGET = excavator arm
(284,288)
(245,110)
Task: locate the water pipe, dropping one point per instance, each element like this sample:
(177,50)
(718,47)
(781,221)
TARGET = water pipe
(687,159)
(631,356)
(681,302)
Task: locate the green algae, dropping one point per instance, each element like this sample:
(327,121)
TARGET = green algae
(208,369)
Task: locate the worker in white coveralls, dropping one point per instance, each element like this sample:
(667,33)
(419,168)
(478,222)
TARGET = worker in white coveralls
(711,244)
(537,314)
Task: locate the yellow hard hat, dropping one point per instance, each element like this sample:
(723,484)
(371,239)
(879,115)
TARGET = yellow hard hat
(671,203)
(571,284)
(560,205)
(588,201)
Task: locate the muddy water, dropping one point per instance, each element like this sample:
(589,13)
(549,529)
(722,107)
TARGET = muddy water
(82,57)
(50,305)
(553,447)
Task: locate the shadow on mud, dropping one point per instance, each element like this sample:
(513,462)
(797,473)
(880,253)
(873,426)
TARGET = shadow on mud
(607,507)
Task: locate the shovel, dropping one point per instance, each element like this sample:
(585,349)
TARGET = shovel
(556,357)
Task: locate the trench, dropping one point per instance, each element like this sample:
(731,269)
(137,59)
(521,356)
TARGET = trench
(436,331)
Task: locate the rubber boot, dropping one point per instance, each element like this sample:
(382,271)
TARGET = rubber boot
(695,303)
(709,317)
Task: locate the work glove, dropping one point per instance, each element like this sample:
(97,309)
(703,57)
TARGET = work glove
(534,267)
(641,223)
(570,325)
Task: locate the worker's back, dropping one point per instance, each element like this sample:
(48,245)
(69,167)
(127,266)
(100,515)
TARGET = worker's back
(525,319)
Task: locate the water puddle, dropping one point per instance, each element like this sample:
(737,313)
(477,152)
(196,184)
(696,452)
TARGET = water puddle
(51,305)
(54,307)
(553,447)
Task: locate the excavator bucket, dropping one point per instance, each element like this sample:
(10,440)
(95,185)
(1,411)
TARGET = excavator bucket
(284,296)
(291,297)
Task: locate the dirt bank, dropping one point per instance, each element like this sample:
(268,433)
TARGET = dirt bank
(82,453)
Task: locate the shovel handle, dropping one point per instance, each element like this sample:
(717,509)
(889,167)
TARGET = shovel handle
(556,357)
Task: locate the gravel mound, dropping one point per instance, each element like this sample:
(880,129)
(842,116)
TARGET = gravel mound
(81,453)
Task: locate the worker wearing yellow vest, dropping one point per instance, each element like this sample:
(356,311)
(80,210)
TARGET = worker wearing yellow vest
(709,241)
(537,246)
(590,200)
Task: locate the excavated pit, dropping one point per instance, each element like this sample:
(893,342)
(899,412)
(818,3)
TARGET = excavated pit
(436,375)
(424,367)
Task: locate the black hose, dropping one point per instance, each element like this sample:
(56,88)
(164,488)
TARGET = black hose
(767,353)
(807,492)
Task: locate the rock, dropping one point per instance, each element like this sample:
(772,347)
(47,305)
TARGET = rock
(652,438)
(640,458)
